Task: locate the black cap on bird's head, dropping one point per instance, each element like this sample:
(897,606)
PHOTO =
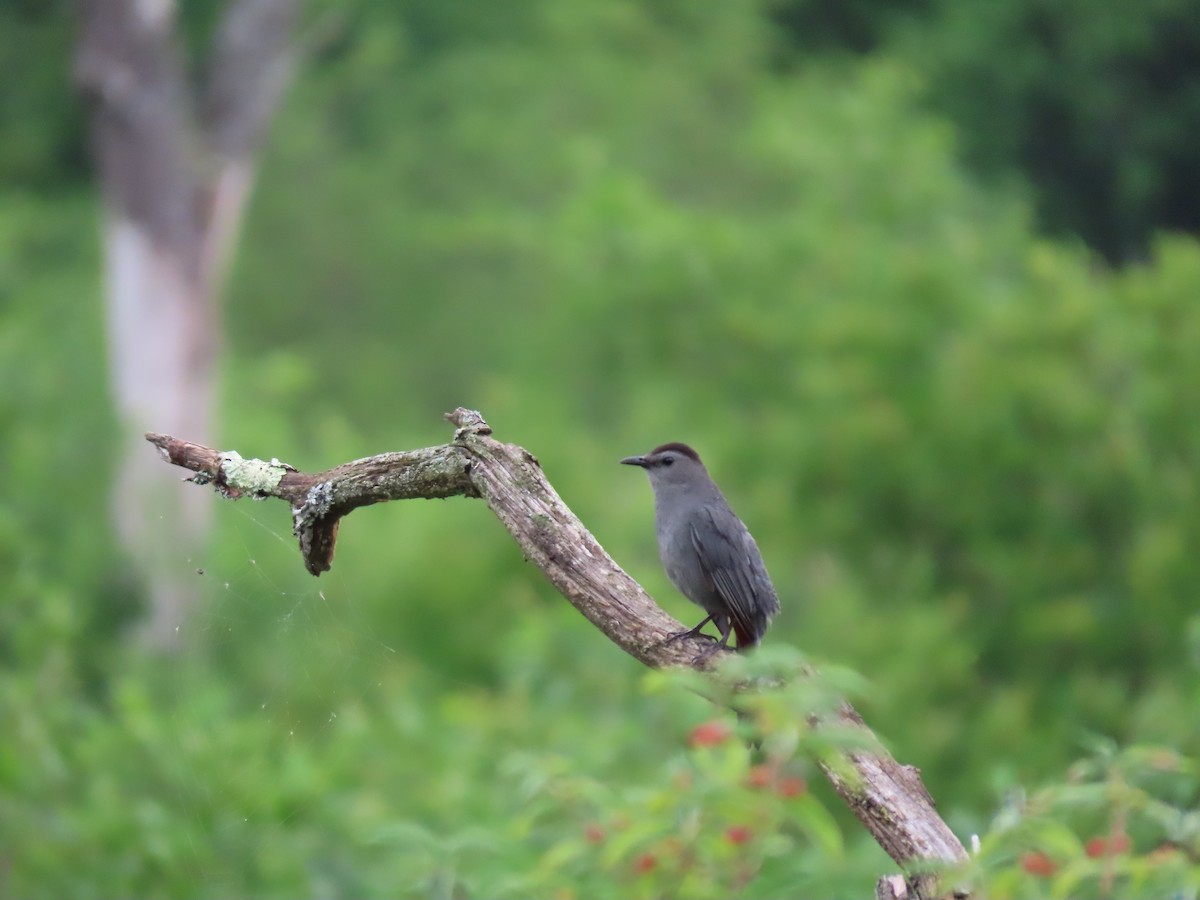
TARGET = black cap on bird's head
(663,456)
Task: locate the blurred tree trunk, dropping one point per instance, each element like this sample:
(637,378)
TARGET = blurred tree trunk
(175,160)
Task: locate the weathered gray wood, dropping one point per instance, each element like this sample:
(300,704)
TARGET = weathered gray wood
(887,797)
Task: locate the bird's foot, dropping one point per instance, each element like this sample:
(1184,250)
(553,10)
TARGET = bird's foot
(690,633)
(709,650)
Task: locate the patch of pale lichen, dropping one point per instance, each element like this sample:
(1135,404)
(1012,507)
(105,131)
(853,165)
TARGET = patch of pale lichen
(255,477)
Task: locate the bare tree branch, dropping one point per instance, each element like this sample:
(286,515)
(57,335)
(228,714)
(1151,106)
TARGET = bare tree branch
(888,798)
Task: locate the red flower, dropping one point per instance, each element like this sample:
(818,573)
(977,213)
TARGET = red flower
(1039,864)
(645,863)
(792,786)
(1099,847)
(710,734)
(738,835)
(760,776)
(593,834)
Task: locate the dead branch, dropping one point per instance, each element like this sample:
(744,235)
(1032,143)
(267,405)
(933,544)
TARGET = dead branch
(888,798)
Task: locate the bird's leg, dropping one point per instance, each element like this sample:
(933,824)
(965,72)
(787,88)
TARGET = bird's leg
(725,626)
(690,633)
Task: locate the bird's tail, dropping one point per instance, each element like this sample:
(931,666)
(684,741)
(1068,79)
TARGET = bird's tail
(747,638)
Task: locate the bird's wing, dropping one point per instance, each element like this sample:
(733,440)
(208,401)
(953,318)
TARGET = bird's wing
(729,560)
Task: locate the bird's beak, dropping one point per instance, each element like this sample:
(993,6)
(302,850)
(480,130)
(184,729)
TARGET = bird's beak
(634,461)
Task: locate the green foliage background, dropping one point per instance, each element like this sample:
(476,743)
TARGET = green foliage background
(969,453)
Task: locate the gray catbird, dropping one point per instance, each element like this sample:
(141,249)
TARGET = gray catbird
(707,551)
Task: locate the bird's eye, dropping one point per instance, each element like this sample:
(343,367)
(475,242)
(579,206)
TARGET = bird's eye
(667,460)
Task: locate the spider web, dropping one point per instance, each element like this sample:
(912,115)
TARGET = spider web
(276,655)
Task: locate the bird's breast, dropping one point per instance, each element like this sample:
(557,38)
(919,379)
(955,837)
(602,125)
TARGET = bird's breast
(680,559)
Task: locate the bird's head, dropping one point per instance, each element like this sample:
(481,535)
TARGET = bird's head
(671,465)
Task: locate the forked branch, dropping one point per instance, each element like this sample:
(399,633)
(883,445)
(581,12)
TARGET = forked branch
(887,797)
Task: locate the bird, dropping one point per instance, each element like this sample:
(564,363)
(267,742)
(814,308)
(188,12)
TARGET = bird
(707,551)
